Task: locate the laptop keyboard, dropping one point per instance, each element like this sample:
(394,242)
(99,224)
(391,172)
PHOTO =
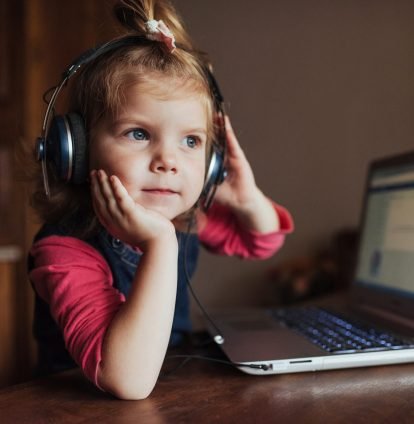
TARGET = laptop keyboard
(336,334)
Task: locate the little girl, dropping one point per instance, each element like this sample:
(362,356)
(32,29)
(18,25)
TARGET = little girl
(110,264)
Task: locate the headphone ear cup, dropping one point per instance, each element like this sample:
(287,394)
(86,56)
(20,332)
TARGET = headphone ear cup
(216,173)
(66,149)
(80,162)
(58,152)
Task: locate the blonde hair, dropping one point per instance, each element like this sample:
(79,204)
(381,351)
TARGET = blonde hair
(98,92)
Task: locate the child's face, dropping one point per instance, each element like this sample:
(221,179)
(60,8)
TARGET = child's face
(157,148)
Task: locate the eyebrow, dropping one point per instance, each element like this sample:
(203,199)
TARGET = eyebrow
(197,130)
(115,122)
(128,121)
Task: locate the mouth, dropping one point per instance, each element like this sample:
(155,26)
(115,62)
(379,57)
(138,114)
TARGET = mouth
(160,191)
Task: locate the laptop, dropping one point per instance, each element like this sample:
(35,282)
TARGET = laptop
(372,324)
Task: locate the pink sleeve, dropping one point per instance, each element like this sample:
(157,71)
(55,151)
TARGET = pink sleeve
(76,282)
(225,236)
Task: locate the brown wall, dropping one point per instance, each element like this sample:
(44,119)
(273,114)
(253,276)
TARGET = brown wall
(315,89)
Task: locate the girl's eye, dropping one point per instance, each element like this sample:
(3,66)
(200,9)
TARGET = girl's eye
(138,134)
(191,141)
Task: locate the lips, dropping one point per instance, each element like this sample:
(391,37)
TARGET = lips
(159,191)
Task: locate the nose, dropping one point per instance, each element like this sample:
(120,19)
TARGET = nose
(164,160)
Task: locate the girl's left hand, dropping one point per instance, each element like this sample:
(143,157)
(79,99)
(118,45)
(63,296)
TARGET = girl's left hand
(239,185)
(239,191)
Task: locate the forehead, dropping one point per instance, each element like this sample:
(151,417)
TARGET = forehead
(168,88)
(154,94)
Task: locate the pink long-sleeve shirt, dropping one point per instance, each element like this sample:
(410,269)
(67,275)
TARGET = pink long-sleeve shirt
(77,283)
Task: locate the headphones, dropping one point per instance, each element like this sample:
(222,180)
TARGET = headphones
(63,143)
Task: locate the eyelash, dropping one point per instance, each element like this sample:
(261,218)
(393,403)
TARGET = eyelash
(195,138)
(131,136)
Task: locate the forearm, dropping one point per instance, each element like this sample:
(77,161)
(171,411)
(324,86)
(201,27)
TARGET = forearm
(137,339)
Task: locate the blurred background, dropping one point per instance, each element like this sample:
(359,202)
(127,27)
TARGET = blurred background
(315,90)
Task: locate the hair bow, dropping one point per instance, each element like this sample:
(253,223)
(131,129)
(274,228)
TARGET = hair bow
(158,31)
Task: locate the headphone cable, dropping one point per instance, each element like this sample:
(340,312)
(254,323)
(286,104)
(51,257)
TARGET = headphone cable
(188,358)
(218,338)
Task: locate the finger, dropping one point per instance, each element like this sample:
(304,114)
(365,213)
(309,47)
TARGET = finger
(98,201)
(125,202)
(97,196)
(107,193)
(233,146)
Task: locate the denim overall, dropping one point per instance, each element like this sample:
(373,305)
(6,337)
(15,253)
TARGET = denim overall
(123,261)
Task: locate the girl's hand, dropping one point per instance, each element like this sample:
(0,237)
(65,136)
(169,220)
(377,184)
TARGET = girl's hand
(122,216)
(239,191)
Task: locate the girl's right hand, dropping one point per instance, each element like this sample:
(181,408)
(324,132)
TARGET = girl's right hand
(122,216)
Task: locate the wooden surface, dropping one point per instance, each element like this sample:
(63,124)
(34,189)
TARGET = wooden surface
(201,392)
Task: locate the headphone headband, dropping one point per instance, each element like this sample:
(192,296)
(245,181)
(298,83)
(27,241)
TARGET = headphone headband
(86,57)
(101,49)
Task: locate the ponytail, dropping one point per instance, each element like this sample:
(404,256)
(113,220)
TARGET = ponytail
(134,14)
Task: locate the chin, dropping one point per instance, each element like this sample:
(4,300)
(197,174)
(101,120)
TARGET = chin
(166,212)
(169,210)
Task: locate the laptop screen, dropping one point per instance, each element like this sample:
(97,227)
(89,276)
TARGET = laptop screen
(386,253)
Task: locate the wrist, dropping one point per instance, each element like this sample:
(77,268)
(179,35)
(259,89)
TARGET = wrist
(258,214)
(165,240)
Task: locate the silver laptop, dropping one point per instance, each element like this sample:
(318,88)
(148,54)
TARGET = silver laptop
(373,324)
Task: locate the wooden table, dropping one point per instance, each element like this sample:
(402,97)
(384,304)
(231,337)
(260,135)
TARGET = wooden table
(202,392)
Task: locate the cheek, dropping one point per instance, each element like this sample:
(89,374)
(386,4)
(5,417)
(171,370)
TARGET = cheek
(94,157)
(123,166)
(98,154)
(129,174)
(198,177)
